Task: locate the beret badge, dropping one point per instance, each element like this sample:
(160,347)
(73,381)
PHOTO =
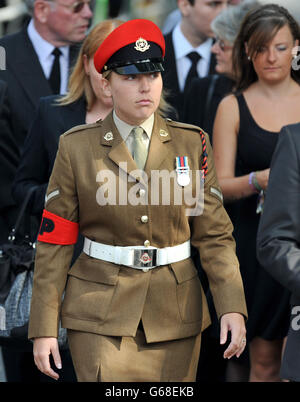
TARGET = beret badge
(141,45)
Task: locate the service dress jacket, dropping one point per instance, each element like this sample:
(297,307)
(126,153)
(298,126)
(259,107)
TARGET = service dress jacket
(110,299)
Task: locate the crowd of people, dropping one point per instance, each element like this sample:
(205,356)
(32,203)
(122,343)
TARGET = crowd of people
(220,87)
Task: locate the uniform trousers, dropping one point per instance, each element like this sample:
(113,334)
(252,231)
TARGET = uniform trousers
(100,358)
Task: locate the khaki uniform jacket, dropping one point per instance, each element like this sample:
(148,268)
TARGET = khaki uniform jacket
(110,299)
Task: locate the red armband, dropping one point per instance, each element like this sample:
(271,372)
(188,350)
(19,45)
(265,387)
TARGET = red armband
(57,230)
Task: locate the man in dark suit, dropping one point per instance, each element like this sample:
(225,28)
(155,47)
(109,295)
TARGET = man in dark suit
(38,59)
(278,236)
(29,58)
(188,48)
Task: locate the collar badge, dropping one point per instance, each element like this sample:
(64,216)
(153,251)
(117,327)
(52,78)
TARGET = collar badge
(109,136)
(163,133)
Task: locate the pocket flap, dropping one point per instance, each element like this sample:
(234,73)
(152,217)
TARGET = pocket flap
(184,270)
(94,270)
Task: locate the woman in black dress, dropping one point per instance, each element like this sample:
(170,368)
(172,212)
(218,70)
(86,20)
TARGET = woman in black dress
(245,135)
(204,95)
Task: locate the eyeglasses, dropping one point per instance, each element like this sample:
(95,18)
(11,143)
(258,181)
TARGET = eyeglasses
(222,45)
(75,7)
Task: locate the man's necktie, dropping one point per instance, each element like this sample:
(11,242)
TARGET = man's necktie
(54,78)
(194,57)
(140,150)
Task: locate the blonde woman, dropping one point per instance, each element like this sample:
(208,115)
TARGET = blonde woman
(85,102)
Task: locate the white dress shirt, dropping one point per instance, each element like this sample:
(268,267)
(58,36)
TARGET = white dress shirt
(182,47)
(125,130)
(44,50)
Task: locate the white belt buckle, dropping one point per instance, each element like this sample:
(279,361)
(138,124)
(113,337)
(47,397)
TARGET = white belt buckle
(144,258)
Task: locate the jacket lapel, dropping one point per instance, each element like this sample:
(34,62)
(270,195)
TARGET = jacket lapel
(212,64)
(170,74)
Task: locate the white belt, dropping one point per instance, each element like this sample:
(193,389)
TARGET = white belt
(138,257)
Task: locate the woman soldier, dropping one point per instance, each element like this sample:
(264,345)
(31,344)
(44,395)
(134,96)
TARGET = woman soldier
(133,303)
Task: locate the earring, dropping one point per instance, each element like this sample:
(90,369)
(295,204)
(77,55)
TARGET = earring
(249,58)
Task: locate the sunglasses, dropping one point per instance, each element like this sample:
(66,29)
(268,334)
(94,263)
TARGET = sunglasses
(222,45)
(75,7)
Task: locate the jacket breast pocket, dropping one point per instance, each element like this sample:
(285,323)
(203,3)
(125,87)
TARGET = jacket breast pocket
(189,296)
(90,289)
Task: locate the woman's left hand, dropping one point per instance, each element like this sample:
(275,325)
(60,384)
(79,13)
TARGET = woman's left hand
(235,323)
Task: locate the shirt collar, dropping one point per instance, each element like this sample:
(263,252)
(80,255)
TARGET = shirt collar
(42,47)
(182,46)
(125,128)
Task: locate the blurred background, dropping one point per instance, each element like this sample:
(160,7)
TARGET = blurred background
(13,13)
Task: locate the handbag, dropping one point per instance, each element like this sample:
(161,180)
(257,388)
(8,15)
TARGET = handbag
(16,280)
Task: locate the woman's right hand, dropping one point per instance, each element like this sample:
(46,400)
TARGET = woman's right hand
(262,177)
(42,348)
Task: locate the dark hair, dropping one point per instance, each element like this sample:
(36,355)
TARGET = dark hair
(258,28)
(192,2)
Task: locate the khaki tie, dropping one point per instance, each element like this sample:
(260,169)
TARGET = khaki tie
(140,151)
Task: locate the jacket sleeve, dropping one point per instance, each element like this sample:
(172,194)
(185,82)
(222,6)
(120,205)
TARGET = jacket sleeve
(9,151)
(33,168)
(212,236)
(279,230)
(53,261)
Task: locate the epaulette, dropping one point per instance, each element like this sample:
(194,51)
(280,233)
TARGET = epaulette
(203,136)
(81,127)
(179,124)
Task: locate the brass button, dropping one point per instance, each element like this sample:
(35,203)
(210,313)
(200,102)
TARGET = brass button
(144,218)
(146,243)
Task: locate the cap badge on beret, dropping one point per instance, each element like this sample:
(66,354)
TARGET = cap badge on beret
(141,45)
(134,47)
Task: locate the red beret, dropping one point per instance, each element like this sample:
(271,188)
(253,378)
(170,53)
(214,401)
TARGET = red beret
(132,43)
